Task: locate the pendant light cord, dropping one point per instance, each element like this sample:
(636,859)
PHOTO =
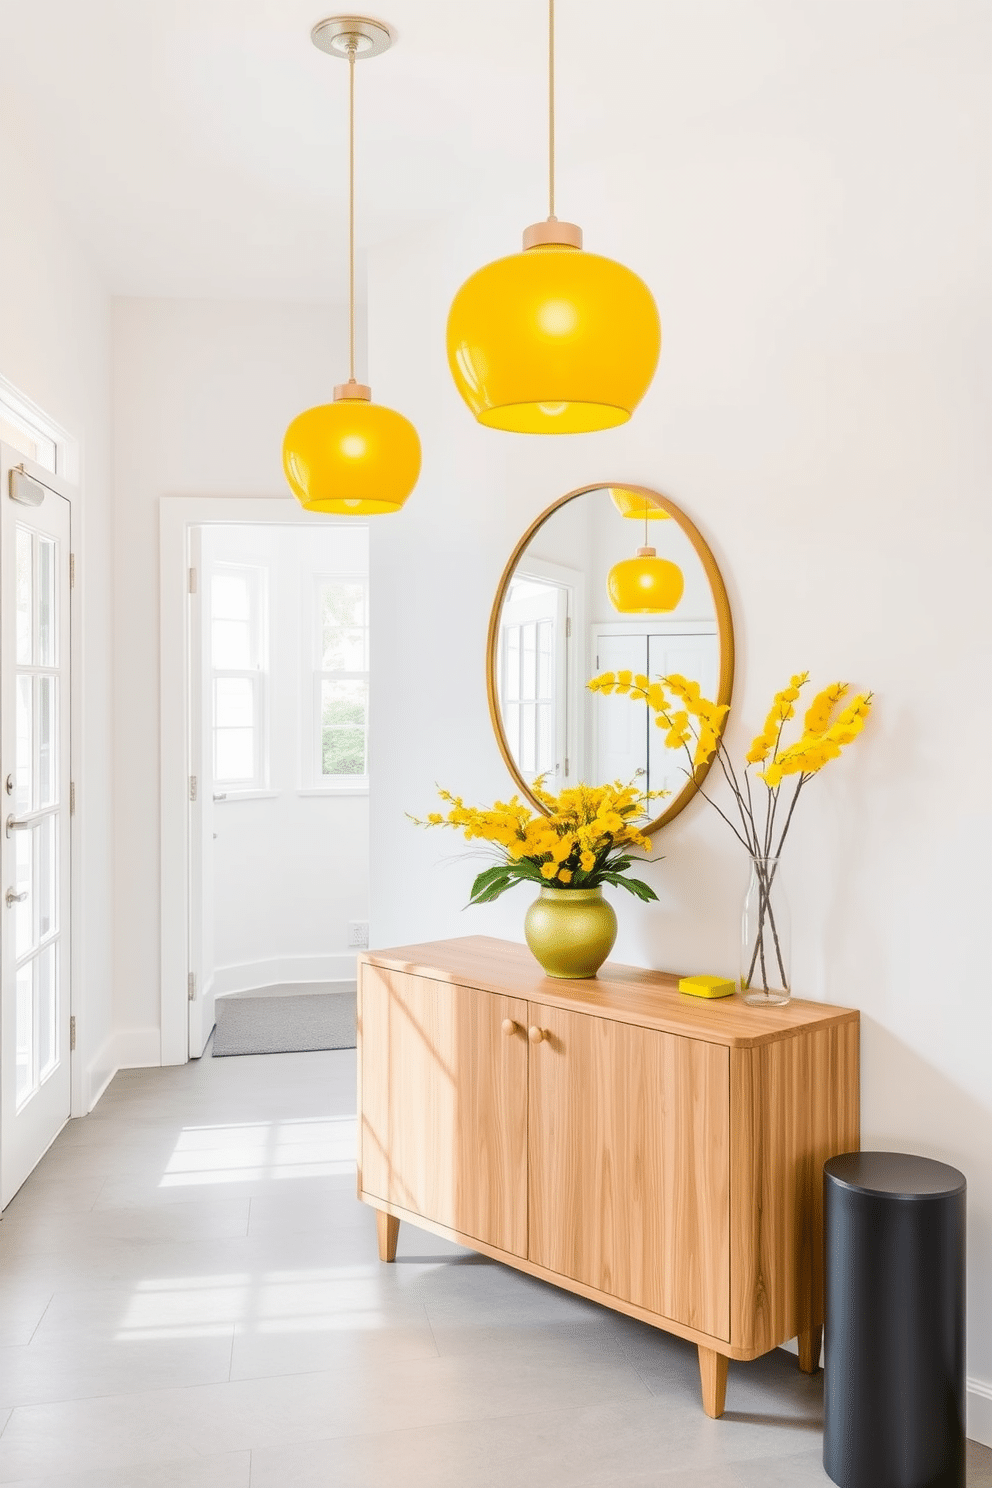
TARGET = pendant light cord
(551,110)
(351,210)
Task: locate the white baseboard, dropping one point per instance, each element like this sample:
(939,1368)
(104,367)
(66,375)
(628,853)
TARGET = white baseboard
(127,1048)
(279,969)
(979,1426)
(99,1072)
(138,1048)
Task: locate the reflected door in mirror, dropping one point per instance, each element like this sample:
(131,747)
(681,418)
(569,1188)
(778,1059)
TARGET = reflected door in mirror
(627,744)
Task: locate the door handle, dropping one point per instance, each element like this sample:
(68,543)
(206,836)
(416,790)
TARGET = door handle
(13,898)
(25,823)
(536,1034)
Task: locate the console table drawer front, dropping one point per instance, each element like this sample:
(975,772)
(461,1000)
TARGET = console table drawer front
(629,1156)
(444,1104)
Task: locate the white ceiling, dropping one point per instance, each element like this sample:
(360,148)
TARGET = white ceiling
(199,146)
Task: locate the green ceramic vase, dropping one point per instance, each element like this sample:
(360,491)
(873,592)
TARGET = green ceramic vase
(571,931)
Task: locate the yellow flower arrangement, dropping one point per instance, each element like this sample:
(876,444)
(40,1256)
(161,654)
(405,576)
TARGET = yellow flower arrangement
(693,724)
(584,840)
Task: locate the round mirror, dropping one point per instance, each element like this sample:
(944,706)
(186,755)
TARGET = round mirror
(608,579)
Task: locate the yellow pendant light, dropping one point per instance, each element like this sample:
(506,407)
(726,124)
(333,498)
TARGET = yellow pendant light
(633,504)
(352,457)
(647,584)
(553,340)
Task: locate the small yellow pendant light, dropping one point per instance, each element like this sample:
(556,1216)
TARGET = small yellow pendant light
(633,504)
(647,584)
(553,340)
(352,457)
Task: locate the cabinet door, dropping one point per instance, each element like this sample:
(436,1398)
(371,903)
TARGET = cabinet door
(444,1104)
(629,1154)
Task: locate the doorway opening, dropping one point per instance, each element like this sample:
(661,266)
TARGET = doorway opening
(274,868)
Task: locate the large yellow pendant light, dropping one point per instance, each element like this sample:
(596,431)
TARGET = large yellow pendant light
(553,340)
(647,584)
(352,456)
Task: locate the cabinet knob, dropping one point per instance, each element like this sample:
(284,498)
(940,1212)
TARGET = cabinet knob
(509,1027)
(535,1034)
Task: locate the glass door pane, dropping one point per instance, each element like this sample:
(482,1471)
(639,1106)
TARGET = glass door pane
(34,849)
(36,795)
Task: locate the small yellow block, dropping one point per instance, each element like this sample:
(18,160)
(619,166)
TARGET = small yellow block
(707,986)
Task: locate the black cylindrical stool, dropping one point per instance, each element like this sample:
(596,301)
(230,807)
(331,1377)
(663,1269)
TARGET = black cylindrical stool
(894,1392)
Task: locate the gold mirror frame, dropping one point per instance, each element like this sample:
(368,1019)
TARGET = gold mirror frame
(725,633)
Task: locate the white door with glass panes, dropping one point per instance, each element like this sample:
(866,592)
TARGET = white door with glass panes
(532,674)
(228,757)
(238,655)
(340,742)
(34,745)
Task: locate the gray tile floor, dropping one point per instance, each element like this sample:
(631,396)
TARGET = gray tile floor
(190,1295)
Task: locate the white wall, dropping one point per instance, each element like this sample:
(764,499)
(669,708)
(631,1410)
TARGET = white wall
(290,866)
(55,347)
(203,392)
(820,260)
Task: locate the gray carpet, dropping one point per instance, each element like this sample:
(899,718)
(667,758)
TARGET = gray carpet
(291,1019)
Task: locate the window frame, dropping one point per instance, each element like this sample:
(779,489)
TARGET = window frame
(29,430)
(258,596)
(316,782)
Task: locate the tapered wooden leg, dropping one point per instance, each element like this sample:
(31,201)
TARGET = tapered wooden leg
(713,1376)
(387,1229)
(809,1349)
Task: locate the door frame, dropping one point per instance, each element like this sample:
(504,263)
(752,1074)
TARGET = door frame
(177,514)
(82,1097)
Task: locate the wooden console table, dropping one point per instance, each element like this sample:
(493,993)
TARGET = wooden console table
(657,1153)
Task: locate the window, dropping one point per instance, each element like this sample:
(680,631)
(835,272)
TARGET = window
(238,659)
(532,678)
(341,682)
(28,430)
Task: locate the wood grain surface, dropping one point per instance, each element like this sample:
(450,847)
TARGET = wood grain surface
(628,994)
(656,1153)
(794,1103)
(387,1231)
(629,1164)
(444,1104)
(713,1379)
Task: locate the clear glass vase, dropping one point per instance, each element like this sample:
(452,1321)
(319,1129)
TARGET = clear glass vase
(766,939)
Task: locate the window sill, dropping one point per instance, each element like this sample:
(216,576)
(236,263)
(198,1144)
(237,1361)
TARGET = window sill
(225,797)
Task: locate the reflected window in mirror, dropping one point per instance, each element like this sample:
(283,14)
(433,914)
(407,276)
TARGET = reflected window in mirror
(536,670)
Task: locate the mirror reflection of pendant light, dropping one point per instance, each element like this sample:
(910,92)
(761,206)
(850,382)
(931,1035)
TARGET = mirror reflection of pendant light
(553,340)
(633,504)
(352,456)
(647,584)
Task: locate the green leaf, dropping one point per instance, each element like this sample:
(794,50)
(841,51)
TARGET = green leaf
(486,888)
(635,886)
(495,881)
(488,895)
(488,876)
